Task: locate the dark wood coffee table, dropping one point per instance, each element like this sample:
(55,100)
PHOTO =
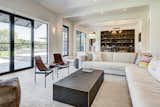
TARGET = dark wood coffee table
(79,89)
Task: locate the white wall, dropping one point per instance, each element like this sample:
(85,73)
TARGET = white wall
(154,38)
(58,37)
(33,10)
(59,34)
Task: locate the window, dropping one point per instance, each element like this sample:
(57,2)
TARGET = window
(41,40)
(15,42)
(20,39)
(65,41)
(81,41)
(22,43)
(4,42)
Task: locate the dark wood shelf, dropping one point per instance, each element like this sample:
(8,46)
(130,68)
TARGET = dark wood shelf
(123,41)
(118,38)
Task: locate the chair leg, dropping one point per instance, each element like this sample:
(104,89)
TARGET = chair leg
(57,72)
(35,75)
(52,74)
(45,80)
(68,70)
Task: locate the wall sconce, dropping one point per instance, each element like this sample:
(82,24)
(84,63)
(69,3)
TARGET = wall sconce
(92,35)
(54,30)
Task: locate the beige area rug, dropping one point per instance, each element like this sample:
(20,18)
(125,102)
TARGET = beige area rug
(113,93)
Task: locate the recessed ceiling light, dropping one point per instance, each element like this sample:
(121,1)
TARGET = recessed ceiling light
(92,0)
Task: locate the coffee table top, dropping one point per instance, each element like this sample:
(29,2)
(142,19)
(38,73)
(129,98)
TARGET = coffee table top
(80,80)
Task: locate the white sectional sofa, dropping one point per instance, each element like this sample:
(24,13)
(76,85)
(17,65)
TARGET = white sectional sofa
(143,87)
(112,63)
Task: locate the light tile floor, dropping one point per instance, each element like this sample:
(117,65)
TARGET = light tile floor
(113,93)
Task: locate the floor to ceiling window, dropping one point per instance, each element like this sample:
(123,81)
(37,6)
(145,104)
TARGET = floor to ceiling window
(41,40)
(80,41)
(65,51)
(19,43)
(4,42)
(22,43)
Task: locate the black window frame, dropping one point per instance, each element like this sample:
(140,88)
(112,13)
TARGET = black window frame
(64,26)
(12,48)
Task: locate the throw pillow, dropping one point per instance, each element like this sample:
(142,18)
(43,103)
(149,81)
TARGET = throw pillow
(143,57)
(97,56)
(143,64)
(154,68)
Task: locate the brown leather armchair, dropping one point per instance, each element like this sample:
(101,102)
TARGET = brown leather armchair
(10,93)
(42,69)
(60,64)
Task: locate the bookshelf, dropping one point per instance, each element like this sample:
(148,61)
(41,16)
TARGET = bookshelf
(123,41)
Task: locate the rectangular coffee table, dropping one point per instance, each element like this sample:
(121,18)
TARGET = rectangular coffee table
(79,89)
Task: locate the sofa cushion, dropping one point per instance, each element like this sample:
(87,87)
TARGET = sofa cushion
(144,89)
(143,64)
(97,56)
(107,56)
(143,56)
(105,65)
(154,68)
(124,57)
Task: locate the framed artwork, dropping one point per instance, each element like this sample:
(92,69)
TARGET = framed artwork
(139,37)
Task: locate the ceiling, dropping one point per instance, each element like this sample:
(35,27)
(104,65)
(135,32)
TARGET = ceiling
(62,6)
(98,13)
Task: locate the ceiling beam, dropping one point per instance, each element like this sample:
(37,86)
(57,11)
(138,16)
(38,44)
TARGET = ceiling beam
(121,16)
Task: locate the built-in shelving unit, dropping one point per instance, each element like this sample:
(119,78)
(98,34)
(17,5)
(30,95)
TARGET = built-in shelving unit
(118,41)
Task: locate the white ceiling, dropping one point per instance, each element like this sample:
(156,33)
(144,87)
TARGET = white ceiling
(141,10)
(120,17)
(61,6)
(98,13)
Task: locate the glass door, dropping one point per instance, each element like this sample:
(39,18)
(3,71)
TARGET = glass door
(22,43)
(20,39)
(4,42)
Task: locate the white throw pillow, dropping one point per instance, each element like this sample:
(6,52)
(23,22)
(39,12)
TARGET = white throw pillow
(154,68)
(97,56)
